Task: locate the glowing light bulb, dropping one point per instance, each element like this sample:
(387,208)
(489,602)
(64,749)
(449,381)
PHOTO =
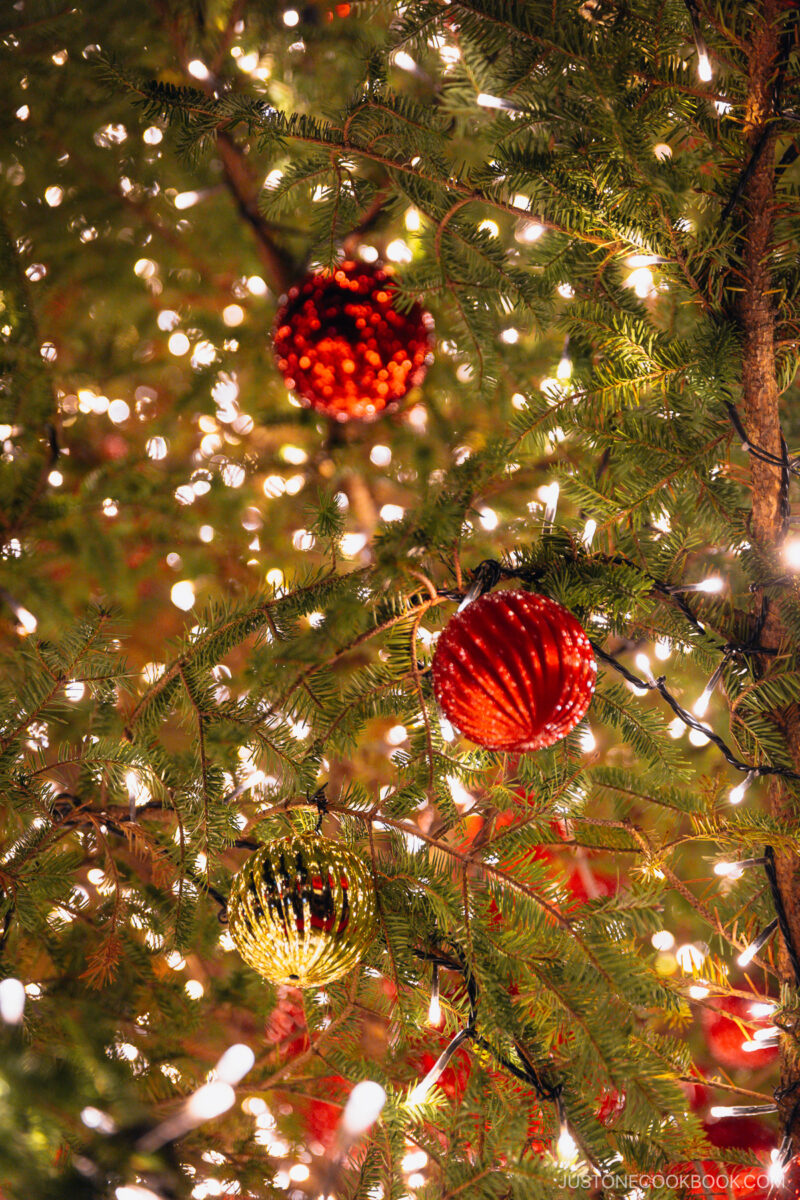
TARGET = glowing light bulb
(235,1063)
(643,664)
(209,1101)
(12,1001)
(728,870)
(435,1010)
(364,1106)
(566,1147)
(704,71)
(711,586)
(791,553)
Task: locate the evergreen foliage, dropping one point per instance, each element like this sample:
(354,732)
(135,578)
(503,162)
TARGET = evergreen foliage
(557,187)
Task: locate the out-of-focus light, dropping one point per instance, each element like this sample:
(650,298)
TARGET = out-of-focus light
(233,314)
(510,336)
(728,870)
(662,939)
(12,1001)
(641,280)
(564,369)
(490,227)
(235,1063)
(397,735)
(75,690)
(118,411)
(566,291)
(353,543)
(663,649)
(588,742)
(194,989)
(167,319)
(589,530)
(156,448)
(435,1011)
(291,17)
(412,220)
(256,286)
(711,586)
(697,737)
(690,957)
(178,344)
(791,553)
(381,456)
(198,69)
(186,199)
(209,1101)
(94,1118)
(486,100)
(144,268)
(182,594)
(662,151)
(135,1191)
(488,518)
(399,251)
(27,621)
(53,196)
(643,664)
(299,1173)
(392,512)
(206,533)
(152,135)
(55,479)
(404,61)
(364,1106)
(529,231)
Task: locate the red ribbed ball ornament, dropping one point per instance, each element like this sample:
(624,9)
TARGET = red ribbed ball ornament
(343,345)
(514,671)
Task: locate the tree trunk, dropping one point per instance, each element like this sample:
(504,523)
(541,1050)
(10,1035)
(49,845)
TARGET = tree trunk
(761,401)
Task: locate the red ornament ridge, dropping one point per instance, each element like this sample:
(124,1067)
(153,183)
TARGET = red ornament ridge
(514,671)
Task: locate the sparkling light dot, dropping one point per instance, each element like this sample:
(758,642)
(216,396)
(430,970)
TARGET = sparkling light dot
(178,344)
(118,411)
(53,196)
(182,594)
(152,135)
(233,314)
(197,69)
(291,17)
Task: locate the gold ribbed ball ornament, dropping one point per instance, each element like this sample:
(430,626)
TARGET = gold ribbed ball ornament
(302,910)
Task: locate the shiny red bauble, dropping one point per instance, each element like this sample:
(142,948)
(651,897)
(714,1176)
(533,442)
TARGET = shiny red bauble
(343,345)
(514,671)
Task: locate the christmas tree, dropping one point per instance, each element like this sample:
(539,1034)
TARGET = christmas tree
(400,727)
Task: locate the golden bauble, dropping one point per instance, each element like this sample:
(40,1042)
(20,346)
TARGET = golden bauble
(302,910)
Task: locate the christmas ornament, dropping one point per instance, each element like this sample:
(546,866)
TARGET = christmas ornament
(514,671)
(343,345)
(302,910)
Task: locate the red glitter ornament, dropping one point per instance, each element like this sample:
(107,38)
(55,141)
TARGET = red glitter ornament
(514,671)
(345,348)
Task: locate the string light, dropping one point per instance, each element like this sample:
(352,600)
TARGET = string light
(720,1111)
(747,956)
(735,870)
(419,1094)
(704,72)
(435,1007)
(738,793)
(364,1106)
(12,1001)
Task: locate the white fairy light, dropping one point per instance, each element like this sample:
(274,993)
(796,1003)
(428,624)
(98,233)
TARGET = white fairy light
(435,1010)
(12,1001)
(135,1191)
(704,72)
(235,1063)
(186,199)
(662,649)
(404,61)
(566,1147)
(178,344)
(564,369)
(776,1170)
(728,870)
(763,1008)
(364,1106)
(737,794)
(690,957)
(589,530)
(662,940)
(550,496)
(588,741)
(182,594)
(791,553)
(291,17)
(643,664)
(209,1101)
(747,955)
(769,1033)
